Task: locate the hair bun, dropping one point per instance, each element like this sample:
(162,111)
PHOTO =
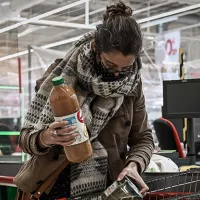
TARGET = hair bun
(117,9)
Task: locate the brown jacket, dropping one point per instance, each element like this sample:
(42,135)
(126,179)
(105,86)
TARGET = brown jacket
(129,126)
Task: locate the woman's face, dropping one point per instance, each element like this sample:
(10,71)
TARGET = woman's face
(116,62)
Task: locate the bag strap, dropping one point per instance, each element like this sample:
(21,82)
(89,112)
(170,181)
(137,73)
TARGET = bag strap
(37,194)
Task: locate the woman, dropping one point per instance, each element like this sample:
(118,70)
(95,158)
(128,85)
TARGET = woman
(104,69)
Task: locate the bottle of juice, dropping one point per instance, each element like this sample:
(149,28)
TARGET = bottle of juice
(65,106)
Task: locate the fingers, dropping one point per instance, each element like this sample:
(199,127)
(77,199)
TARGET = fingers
(64,140)
(143,187)
(68,142)
(62,135)
(144,191)
(134,174)
(65,131)
(122,174)
(58,124)
(60,128)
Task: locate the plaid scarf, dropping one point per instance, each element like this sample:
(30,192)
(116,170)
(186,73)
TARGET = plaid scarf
(77,69)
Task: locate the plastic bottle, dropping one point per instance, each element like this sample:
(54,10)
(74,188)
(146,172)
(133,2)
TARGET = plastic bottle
(65,106)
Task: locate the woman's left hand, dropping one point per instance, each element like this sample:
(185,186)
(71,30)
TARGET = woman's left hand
(132,171)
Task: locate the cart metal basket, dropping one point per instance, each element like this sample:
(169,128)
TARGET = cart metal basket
(167,186)
(177,186)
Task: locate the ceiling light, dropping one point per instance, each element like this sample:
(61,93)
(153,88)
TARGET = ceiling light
(55,44)
(76,38)
(5,3)
(65,24)
(159,21)
(149,37)
(166,14)
(61,42)
(14,55)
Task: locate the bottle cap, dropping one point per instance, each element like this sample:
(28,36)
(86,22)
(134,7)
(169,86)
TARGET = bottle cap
(57,81)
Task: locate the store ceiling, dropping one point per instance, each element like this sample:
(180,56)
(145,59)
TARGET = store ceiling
(18,39)
(36,34)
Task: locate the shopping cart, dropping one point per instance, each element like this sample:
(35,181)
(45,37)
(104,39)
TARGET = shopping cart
(177,186)
(167,186)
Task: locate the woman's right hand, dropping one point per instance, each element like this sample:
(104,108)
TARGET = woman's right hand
(58,134)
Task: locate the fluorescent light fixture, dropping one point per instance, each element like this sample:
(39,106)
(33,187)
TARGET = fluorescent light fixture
(30,29)
(61,42)
(158,21)
(64,24)
(14,55)
(166,14)
(19,19)
(151,7)
(149,37)
(44,47)
(43,15)
(184,28)
(5,3)
(142,10)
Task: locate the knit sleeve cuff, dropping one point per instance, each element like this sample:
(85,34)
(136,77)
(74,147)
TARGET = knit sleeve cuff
(35,149)
(139,161)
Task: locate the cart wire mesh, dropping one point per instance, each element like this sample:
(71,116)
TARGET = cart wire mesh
(177,186)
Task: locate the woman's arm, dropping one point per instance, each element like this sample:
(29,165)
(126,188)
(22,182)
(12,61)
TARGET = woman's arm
(140,138)
(39,142)
(29,141)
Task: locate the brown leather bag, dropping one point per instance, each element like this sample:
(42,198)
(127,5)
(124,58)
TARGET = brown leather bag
(38,193)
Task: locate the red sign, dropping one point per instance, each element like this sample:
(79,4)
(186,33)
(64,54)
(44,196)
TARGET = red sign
(170,48)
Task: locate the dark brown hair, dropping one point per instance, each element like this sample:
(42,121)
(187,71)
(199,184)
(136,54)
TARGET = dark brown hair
(119,31)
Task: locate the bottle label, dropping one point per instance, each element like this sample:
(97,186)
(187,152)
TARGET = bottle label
(111,189)
(76,119)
